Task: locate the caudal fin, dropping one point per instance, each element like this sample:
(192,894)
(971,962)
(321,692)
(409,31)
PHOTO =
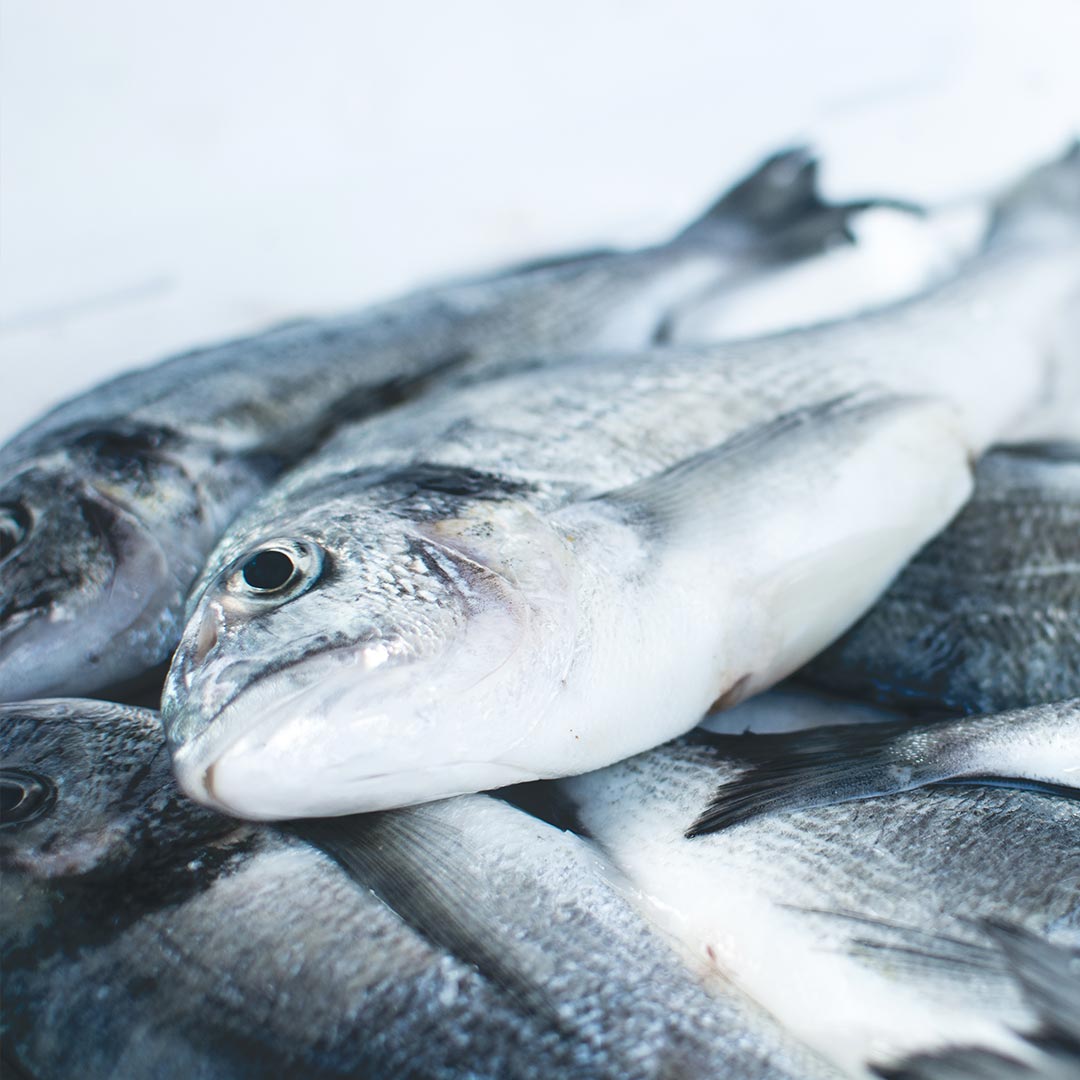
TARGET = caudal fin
(779,206)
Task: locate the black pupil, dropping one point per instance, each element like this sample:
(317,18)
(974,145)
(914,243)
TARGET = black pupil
(269,570)
(11,795)
(8,540)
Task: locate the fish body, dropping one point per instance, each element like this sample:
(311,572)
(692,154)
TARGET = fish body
(987,617)
(540,574)
(144,936)
(110,503)
(860,924)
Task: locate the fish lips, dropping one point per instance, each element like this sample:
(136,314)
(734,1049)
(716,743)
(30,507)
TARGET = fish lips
(338,740)
(51,647)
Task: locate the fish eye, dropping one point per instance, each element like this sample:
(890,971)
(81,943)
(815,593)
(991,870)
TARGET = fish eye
(14,525)
(23,796)
(268,571)
(278,568)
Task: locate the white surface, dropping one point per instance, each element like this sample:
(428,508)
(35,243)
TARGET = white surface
(174,173)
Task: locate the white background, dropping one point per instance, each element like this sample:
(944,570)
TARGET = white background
(177,172)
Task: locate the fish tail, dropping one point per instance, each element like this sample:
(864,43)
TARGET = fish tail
(779,206)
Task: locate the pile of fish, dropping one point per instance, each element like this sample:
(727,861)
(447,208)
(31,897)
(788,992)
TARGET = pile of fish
(464,614)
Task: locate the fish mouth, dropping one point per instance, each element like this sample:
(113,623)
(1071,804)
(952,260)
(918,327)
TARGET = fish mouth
(227,790)
(328,746)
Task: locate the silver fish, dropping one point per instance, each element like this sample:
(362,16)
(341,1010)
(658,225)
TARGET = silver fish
(987,617)
(858,924)
(111,502)
(143,936)
(541,574)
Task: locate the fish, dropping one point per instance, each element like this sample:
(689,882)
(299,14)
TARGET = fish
(529,576)
(142,935)
(861,925)
(987,617)
(111,502)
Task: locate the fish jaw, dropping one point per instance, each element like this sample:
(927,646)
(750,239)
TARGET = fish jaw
(329,738)
(367,725)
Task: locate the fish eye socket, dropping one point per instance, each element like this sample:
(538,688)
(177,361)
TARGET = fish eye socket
(23,796)
(285,567)
(14,525)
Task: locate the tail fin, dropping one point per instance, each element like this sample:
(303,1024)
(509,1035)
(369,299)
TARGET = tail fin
(779,206)
(1049,977)
(1042,203)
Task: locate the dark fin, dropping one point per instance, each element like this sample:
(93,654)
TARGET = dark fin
(547,801)
(412,861)
(779,204)
(801,769)
(827,766)
(894,945)
(699,491)
(1050,976)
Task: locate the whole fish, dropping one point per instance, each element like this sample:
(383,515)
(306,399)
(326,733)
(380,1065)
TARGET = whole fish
(858,924)
(987,617)
(143,936)
(110,504)
(541,574)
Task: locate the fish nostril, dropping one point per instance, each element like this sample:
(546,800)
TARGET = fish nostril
(207,639)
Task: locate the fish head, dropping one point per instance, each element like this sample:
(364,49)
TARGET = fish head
(86,582)
(85,788)
(365,652)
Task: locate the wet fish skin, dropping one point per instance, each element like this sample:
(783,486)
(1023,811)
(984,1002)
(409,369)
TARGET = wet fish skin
(987,617)
(479,576)
(859,924)
(205,947)
(111,502)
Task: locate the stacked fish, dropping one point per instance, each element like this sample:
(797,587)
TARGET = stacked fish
(510,535)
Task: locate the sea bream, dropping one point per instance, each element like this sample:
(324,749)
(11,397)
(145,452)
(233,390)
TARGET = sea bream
(542,573)
(110,503)
(143,936)
(987,617)
(860,923)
